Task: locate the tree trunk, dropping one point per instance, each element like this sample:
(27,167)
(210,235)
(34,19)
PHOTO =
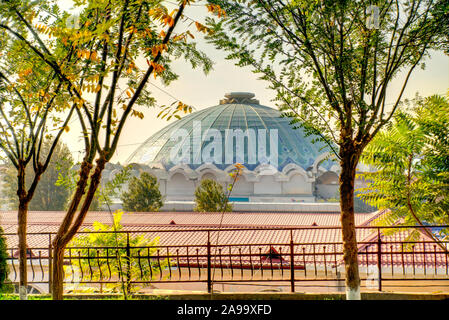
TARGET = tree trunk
(70,226)
(22,234)
(57,288)
(348,162)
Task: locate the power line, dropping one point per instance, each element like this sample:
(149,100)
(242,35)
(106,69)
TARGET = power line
(190,5)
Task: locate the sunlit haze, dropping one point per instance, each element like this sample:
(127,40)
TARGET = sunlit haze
(201,91)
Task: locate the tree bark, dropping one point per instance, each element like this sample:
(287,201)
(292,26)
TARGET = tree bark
(22,232)
(349,160)
(57,288)
(69,227)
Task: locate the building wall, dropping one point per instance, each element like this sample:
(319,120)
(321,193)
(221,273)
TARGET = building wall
(179,185)
(297,185)
(243,188)
(294,185)
(267,185)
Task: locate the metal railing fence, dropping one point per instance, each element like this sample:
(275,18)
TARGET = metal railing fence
(291,260)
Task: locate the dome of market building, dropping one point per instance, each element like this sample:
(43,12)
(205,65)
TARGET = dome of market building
(259,134)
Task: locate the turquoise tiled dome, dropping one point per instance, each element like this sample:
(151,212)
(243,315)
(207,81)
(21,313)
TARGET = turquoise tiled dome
(238,111)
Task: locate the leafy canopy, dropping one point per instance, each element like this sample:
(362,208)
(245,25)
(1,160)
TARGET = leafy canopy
(411,162)
(4,267)
(210,197)
(329,67)
(48,195)
(143,194)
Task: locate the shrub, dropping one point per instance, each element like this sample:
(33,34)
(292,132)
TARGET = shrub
(143,194)
(4,269)
(210,197)
(103,241)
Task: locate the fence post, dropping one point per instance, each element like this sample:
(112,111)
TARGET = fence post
(209,278)
(50,264)
(379,259)
(292,263)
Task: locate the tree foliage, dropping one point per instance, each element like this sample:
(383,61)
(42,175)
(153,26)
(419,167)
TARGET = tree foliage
(210,197)
(33,105)
(330,70)
(143,194)
(4,268)
(411,162)
(105,193)
(48,196)
(104,63)
(125,265)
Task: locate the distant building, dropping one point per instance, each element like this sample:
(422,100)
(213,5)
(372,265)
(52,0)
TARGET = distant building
(282,164)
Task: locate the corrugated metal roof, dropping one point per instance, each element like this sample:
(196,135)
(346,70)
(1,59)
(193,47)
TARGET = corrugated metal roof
(189,225)
(194,218)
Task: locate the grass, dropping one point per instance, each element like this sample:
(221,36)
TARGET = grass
(12,296)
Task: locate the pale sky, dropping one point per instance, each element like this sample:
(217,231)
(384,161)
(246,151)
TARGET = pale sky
(202,91)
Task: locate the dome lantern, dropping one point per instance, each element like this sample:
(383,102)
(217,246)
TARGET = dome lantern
(239,97)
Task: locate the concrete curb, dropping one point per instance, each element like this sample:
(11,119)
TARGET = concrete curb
(266,296)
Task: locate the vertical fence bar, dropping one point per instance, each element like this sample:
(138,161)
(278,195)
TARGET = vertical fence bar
(324,260)
(198,263)
(209,278)
(435,258)
(292,263)
(140,264)
(71,265)
(88,262)
(150,266)
(40,265)
(282,264)
(108,265)
(128,264)
(13,265)
(81,267)
(30,258)
(188,261)
(221,263)
(230,262)
(379,259)
(367,260)
(241,263)
(168,262)
(392,262)
(251,262)
(447,269)
(50,264)
(335,259)
(99,268)
(424,256)
(402,258)
(178,264)
(304,261)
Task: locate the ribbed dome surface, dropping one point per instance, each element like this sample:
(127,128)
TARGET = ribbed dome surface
(293,145)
